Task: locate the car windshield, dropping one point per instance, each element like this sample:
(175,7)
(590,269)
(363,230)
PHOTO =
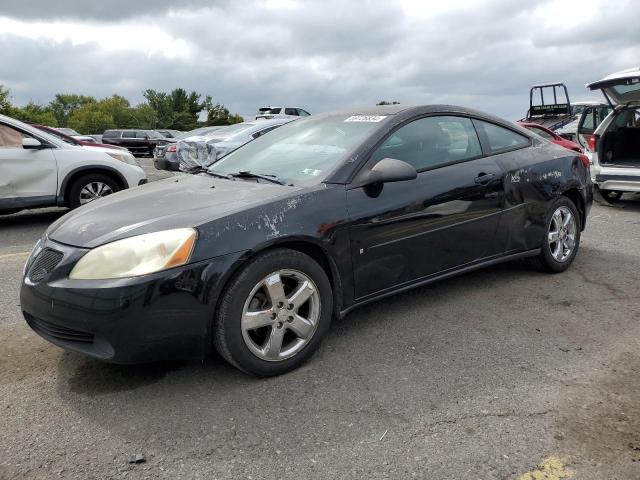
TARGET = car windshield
(68,131)
(227,132)
(301,152)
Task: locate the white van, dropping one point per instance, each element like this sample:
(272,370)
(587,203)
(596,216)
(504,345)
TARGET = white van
(38,169)
(615,143)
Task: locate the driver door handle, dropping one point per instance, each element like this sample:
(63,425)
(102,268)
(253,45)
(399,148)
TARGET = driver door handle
(484,178)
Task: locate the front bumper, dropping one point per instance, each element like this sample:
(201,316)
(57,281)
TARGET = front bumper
(166,315)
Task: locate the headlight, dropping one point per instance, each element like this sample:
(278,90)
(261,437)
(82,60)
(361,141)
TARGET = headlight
(137,255)
(124,157)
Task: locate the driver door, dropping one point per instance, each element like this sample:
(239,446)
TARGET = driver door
(447,217)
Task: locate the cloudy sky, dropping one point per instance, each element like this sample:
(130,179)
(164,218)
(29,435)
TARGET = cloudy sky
(319,55)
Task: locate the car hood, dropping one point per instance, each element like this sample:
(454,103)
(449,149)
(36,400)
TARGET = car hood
(183,201)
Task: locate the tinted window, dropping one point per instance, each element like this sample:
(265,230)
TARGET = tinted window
(291,111)
(128,134)
(10,137)
(141,134)
(432,141)
(111,134)
(303,113)
(500,138)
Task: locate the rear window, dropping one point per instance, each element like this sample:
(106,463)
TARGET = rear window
(632,87)
(500,138)
(111,134)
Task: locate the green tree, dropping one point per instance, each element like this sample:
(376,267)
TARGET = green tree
(63,105)
(91,118)
(5,103)
(35,113)
(219,115)
(384,102)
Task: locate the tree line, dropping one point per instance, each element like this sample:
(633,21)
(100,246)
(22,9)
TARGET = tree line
(177,110)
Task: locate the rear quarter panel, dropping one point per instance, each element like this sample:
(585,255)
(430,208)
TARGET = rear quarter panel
(533,177)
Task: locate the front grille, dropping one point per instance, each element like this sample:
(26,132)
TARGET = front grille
(57,332)
(44,264)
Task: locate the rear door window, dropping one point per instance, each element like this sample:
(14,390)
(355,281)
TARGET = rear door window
(128,134)
(499,139)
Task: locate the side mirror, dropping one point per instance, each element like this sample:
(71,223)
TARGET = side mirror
(30,143)
(389,170)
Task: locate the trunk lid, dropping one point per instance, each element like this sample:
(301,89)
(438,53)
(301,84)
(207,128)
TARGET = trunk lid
(621,88)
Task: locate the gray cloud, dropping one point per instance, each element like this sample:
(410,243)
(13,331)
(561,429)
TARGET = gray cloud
(333,54)
(92,10)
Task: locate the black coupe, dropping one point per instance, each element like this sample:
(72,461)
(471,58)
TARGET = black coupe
(256,255)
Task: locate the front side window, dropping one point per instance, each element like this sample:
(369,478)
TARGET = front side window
(128,134)
(431,142)
(10,137)
(303,113)
(501,138)
(291,111)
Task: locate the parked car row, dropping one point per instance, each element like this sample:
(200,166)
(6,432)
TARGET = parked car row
(43,169)
(181,155)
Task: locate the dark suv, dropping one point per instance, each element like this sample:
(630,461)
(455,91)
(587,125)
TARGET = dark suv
(138,142)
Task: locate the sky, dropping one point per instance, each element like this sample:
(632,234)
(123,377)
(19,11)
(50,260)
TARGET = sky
(318,55)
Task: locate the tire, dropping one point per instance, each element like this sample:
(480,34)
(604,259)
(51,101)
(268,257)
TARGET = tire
(611,196)
(255,351)
(79,196)
(553,257)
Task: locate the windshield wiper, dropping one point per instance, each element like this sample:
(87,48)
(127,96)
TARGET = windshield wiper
(248,174)
(213,173)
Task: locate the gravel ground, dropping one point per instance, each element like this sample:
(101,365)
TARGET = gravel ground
(499,374)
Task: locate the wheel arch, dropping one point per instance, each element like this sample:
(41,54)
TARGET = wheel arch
(575,196)
(73,175)
(308,246)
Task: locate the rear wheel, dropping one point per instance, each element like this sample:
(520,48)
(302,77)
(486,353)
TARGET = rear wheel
(611,196)
(562,237)
(89,188)
(274,313)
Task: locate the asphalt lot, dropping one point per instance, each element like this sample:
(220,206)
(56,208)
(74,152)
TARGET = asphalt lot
(499,374)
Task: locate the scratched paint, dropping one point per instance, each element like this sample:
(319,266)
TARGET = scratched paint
(552,468)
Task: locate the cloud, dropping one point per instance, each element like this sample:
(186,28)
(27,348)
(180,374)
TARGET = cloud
(323,55)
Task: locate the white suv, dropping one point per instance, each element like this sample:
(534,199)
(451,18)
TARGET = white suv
(277,112)
(615,143)
(40,170)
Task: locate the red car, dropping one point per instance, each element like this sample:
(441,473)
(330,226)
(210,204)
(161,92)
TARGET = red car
(71,140)
(551,136)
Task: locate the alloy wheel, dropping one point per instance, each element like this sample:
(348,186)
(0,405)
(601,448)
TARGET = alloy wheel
(562,234)
(94,190)
(280,315)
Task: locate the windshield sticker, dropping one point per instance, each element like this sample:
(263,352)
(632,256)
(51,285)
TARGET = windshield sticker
(366,118)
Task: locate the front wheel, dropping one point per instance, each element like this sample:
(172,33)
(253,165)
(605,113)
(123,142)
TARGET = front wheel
(274,313)
(562,237)
(89,188)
